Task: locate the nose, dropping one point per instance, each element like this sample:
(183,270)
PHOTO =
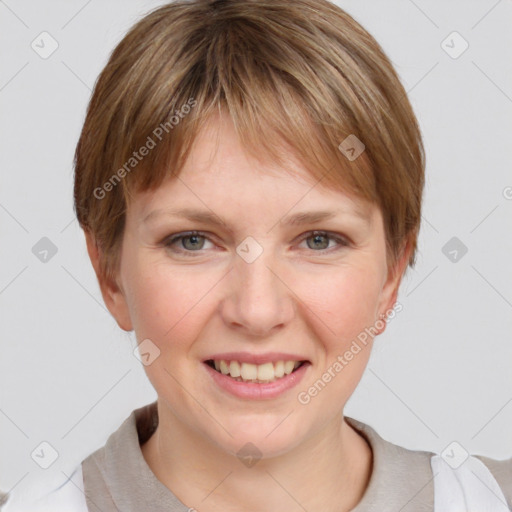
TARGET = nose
(258,300)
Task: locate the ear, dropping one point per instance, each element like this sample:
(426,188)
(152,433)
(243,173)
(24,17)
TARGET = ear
(112,293)
(389,291)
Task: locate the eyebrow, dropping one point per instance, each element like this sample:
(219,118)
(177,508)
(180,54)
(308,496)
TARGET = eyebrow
(208,217)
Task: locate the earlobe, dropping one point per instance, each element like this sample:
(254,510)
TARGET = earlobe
(111,292)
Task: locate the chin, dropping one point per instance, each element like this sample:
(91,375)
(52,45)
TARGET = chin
(264,438)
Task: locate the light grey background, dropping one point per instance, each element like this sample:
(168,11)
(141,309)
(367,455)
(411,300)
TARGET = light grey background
(441,371)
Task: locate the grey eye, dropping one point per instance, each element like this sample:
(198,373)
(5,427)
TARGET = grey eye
(320,241)
(196,242)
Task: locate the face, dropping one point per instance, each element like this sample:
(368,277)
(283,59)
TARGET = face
(255,288)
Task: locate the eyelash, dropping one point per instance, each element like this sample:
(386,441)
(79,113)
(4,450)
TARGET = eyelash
(170,241)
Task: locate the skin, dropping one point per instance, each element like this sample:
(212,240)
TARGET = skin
(294,298)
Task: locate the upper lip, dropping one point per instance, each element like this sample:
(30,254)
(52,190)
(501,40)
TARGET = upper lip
(248,357)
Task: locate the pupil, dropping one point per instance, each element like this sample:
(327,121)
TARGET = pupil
(194,239)
(316,238)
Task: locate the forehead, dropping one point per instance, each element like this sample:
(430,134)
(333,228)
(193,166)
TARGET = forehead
(219,175)
(232,206)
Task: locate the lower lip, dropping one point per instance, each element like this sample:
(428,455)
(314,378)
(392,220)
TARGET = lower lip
(255,391)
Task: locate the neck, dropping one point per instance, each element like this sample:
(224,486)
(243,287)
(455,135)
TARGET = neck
(329,471)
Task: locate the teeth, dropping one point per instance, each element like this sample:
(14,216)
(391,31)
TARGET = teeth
(266,371)
(224,368)
(248,372)
(234,369)
(288,367)
(279,369)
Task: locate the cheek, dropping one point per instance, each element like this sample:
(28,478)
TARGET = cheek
(167,304)
(345,300)
(342,308)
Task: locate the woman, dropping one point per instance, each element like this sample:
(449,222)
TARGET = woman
(249,178)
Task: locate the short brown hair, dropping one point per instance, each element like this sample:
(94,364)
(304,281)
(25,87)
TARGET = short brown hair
(301,75)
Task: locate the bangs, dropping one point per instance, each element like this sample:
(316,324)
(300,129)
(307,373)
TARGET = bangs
(275,112)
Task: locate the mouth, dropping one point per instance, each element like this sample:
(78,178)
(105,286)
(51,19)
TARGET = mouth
(265,373)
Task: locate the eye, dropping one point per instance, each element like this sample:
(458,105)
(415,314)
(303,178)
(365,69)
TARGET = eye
(320,241)
(192,241)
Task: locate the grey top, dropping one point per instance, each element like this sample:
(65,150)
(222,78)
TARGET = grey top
(116,476)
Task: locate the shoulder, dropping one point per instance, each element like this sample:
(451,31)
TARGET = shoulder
(395,459)
(66,495)
(401,478)
(502,472)
(427,481)
(478,481)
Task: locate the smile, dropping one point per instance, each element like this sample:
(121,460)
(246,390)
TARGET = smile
(255,373)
